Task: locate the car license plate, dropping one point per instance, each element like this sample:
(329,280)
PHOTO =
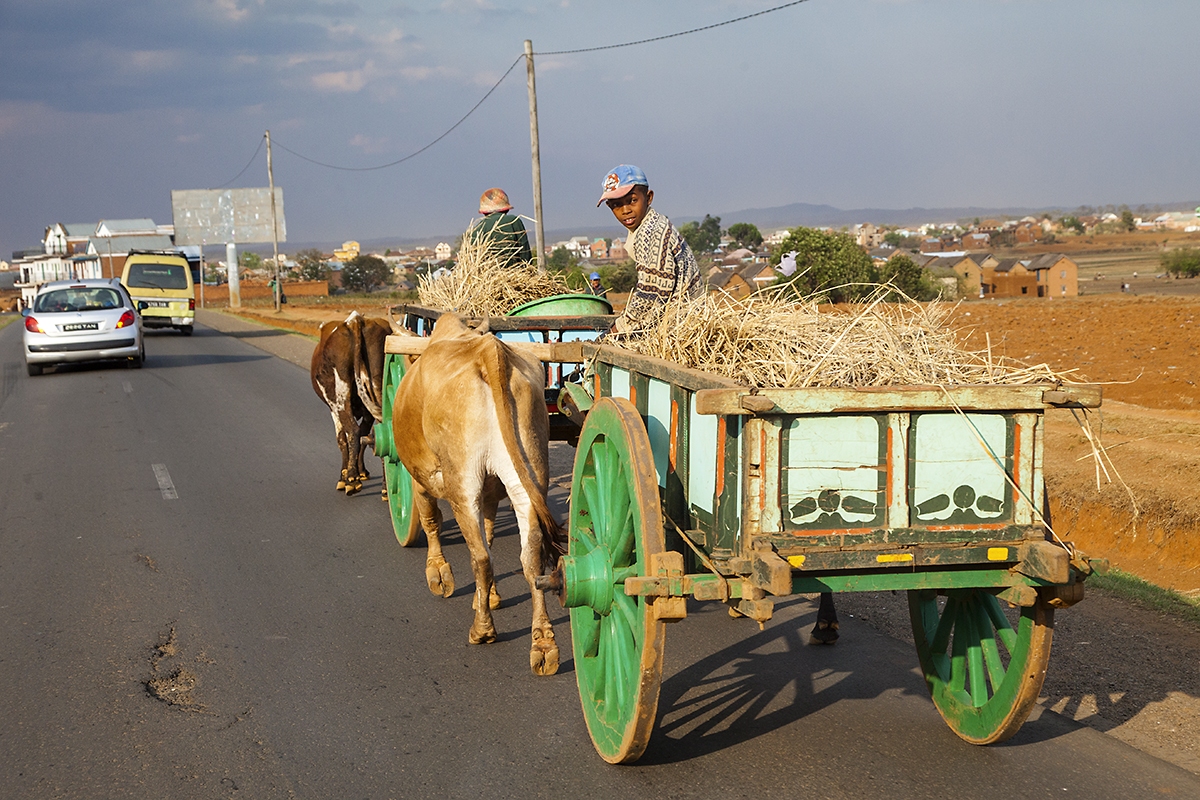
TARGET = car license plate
(157,304)
(81,326)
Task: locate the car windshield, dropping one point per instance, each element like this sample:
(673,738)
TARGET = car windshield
(77,298)
(157,276)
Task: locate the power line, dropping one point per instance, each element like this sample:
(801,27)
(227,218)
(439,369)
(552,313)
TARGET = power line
(496,85)
(417,152)
(672,35)
(248,163)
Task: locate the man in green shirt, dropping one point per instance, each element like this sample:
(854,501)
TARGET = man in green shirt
(501,231)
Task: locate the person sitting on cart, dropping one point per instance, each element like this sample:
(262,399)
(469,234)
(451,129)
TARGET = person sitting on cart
(666,266)
(500,231)
(595,288)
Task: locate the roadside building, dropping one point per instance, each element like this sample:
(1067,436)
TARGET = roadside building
(1057,275)
(616,250)
(443,251)
(347,251)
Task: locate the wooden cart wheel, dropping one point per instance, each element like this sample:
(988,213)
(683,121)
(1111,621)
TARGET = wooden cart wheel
(615,528)
(983,674)
(399,483)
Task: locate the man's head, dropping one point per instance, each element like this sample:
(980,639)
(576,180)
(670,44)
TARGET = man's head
(494,200)
(628,195)
(594,277)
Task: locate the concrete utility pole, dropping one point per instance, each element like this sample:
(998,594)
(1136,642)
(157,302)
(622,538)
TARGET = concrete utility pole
(537,157)
(274,229)
(231,269)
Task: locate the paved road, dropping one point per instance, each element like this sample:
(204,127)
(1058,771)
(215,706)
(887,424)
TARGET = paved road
(180,522)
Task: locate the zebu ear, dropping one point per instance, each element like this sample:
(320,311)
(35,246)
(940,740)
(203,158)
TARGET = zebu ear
(485,325)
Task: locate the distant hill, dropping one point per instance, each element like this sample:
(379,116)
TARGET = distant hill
(767,219)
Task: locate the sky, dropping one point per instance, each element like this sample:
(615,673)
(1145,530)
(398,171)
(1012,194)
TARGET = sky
(107,107)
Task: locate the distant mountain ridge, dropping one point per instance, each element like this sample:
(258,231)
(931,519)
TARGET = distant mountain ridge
(767,219)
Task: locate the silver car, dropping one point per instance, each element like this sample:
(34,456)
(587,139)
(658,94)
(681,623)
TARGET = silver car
(85,320)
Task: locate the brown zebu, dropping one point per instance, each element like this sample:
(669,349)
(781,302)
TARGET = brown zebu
(347,373)
(470,425)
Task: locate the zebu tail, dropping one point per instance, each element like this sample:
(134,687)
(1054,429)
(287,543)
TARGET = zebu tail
(509,414)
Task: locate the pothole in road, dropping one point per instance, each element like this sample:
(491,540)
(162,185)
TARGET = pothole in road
(170,682)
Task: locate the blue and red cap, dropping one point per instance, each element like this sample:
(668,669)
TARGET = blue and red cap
(620,180)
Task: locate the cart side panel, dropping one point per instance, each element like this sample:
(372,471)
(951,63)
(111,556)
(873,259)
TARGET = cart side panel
(959,469)
(703,466)
(834,472)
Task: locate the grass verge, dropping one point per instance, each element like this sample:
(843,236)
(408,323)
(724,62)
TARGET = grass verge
(1145,594)
(8,319)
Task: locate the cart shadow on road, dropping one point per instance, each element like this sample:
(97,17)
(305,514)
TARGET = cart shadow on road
(764,682)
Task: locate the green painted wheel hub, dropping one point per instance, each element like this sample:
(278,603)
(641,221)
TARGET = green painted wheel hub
(983,672)
(589,581)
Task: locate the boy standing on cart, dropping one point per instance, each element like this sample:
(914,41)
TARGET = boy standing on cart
(666,266)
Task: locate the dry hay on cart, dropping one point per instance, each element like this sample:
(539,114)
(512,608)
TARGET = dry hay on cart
(771,341)
(480,285)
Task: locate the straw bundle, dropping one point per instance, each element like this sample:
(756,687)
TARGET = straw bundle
(767,340)
(479,285)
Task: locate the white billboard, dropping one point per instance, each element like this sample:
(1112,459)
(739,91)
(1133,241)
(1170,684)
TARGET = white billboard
(213,216)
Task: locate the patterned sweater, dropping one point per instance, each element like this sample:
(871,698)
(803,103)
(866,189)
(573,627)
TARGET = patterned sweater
(666,270)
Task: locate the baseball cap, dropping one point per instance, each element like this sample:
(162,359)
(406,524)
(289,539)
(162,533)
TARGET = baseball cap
(620,180)
(595,276)
(494,200)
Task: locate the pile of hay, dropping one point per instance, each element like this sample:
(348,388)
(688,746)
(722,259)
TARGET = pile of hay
(772,341)
(479,285)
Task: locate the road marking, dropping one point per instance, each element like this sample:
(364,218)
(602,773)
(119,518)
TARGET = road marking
(164,482)
(127,386)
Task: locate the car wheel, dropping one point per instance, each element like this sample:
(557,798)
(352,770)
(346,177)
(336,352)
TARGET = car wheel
(136,361)
(34,369)
(186,330)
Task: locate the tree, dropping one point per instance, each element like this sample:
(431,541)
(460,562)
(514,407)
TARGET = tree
(561,260)
(702,237)
(364,273)
(1183,262)
(1127,221)
(828,263)
(312,265)
(248,260)
(1071,223)
(745,234)
(619,277)
(904,273)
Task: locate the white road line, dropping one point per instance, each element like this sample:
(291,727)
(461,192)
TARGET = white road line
(127,386)
(164,482)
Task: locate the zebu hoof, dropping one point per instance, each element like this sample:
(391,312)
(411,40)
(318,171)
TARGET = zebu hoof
(341,486)
(543,656)
(482,634)
(383,494)
(364,475)
(353,488)
(823,633)
(439,577)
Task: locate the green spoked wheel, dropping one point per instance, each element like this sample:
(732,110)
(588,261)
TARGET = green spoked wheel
(615,529)
(399,483)
(983,672)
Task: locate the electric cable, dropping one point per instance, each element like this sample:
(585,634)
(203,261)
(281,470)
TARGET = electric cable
(496,85)
(248,163)
(417,152)
(671,35)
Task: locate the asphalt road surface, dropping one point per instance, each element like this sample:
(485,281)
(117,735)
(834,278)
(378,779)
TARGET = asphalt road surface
(178,526)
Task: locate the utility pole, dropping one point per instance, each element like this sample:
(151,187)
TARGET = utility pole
(274,229)
(537,157)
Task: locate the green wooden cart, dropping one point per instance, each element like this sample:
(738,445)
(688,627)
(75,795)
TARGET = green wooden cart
(690,485)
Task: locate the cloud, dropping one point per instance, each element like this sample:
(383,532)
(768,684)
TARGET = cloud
(188,138)
(229,10)
(369,144)
(343,81)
